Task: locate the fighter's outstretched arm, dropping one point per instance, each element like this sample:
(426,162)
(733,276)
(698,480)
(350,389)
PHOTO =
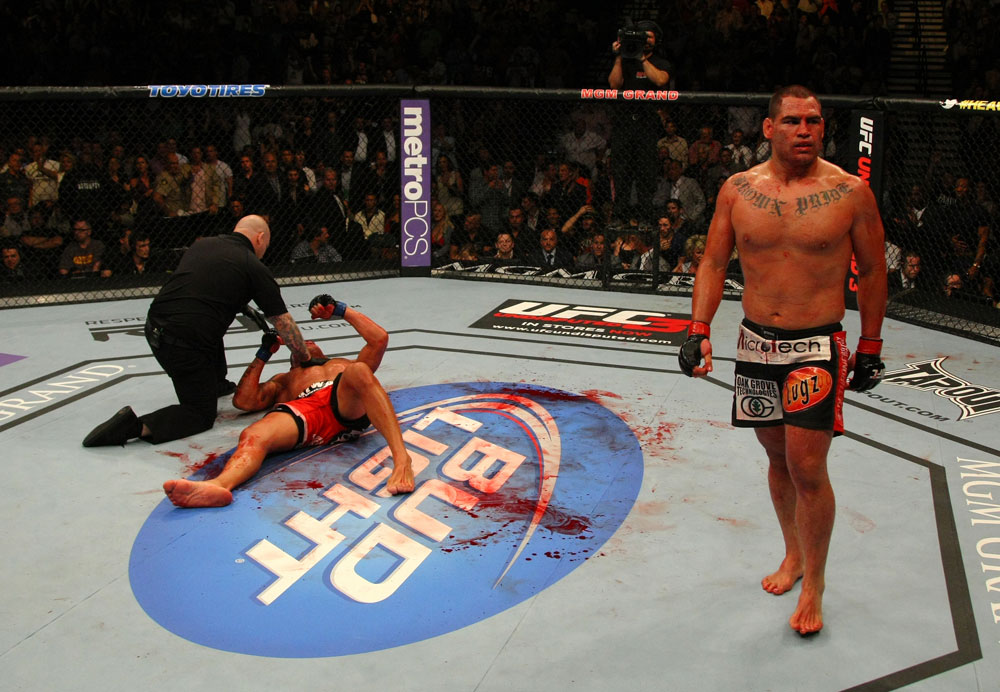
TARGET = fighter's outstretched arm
(251,394)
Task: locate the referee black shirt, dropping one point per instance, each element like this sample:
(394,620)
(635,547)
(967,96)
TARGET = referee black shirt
(216,277)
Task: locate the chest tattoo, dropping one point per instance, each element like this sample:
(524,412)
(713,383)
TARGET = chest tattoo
(821,199)
(756,198)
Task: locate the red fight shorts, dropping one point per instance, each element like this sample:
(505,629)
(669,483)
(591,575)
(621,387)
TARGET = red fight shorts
(318,418)
(790,377)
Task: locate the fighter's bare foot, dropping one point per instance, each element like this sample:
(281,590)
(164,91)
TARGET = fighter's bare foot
(784,579)
(808,615)
(184,493)
(401,480)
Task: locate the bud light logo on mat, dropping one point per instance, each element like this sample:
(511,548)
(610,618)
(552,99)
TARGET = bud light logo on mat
(517,485)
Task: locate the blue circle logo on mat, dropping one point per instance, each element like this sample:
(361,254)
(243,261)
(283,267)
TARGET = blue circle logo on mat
(516,486)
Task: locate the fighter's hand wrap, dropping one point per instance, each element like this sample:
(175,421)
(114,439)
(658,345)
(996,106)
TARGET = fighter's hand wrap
(689,356)
(868,365)
(257,316)
(270,342)
(324,307)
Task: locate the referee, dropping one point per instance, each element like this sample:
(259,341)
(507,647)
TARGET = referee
(185,326)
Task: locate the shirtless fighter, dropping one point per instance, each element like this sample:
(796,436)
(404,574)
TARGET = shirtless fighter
(796,221)
(320,402)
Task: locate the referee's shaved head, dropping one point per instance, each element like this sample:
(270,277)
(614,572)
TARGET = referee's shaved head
(256,230)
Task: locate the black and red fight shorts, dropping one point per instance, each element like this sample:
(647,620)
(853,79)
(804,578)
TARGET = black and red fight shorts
(790,377)
(318,418)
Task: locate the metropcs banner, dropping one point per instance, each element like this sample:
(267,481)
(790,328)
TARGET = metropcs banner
(517,485)
(415,183)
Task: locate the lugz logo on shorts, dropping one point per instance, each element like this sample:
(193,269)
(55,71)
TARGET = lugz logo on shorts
(753,349)
(516,486)
(929,376)
(806,387)
(757,399)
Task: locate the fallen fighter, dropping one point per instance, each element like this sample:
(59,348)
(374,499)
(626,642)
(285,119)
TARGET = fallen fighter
(314,403)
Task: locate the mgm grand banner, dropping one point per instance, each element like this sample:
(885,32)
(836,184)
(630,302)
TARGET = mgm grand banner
(612,279)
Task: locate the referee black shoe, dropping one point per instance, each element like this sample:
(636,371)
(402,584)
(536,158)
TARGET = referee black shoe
(225,388)
(117,430)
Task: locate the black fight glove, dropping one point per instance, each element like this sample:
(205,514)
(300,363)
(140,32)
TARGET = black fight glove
(324,307)
(689,357)
(868,365)
(270,342)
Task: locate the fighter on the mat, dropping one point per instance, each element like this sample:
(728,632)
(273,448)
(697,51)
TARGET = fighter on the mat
(321,402)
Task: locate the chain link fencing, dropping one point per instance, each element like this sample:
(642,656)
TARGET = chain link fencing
(591,188)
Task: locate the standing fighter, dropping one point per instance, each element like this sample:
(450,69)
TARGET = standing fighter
(186,323)
(796,220)
(315,404)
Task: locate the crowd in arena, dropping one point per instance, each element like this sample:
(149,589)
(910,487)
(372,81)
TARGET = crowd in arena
(325,173)
(832,46)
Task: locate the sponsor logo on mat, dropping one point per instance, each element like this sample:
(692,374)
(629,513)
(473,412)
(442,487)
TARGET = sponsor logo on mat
(517,485)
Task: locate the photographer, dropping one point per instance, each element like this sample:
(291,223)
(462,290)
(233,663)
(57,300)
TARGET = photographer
(636,126)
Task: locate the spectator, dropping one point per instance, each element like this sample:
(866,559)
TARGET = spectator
(472,240)
(84,191)
(82,256)
(548,254)
(694,251)
(442,229)
(676,147)
(742,157)
(245,180)
(907,275)
(43,173)
(349,174)
(629,247)
(578,228)
(14,268)
(207,188)
(511,187)
(531,206)
(13,181)
(41,243)
(505,247)
(371,218)
(703,153)
(580,144)
(172,192)
(486,194)
(567,195)
(223,172)
(387,140)
(15,220)
(597,255)
(141,259)
(675,185)
(449,186)
(670,250)
(308,174)
(315,248)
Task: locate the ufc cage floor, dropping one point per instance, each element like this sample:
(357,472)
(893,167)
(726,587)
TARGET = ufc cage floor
(585,518)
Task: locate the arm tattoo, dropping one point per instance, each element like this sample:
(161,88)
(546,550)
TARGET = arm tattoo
(290,334)
(821,199)
(757,198)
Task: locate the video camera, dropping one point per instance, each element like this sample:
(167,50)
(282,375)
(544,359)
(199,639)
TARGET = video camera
(633,39)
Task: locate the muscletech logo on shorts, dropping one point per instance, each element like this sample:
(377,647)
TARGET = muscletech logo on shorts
(516,486)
